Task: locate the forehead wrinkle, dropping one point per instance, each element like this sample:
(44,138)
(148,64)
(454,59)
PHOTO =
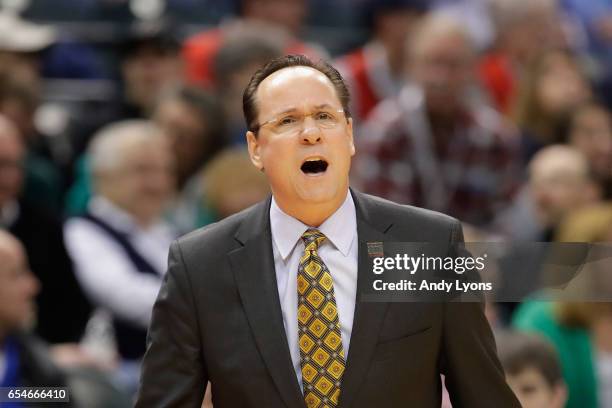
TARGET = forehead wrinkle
(289,73)
(281,80)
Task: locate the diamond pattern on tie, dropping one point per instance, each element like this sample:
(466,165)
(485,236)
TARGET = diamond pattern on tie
(321,353)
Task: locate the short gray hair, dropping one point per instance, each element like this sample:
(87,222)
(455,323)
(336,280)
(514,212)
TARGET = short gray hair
(434,26)
(107,149)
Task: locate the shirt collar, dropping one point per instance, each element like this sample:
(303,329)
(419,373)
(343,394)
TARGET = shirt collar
(122,221)
(340,228)
(116,217)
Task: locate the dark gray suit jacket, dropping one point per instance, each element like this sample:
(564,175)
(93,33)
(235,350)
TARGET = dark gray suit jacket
(218,318)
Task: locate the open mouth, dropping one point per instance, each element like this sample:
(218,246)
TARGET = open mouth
(314,166)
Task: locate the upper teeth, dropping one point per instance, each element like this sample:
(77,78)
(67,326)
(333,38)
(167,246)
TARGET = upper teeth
(313,159)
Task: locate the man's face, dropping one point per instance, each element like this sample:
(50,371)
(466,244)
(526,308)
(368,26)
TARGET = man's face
(306,94)
(591,133)
(559,183)
(443,66)
(144,182)
(147,72)
(185,129)
(18,287)
(11,170)
(533,391)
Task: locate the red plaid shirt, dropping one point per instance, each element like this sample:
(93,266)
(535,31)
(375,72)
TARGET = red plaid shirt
(470,172)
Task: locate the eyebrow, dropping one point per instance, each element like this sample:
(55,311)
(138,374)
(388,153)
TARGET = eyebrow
(321,106)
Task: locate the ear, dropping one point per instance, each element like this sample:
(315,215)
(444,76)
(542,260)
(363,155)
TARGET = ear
(349,128)
(254,150)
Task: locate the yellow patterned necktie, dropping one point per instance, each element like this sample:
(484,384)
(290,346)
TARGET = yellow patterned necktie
(321,353)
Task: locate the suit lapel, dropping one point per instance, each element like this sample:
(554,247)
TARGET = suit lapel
(368,315)
(253,266)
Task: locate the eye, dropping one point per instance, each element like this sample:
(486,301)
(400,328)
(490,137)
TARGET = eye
(324,116)
(286,121)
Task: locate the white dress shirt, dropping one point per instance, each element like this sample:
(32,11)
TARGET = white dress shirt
(338,251)
(105,271)
(603,363)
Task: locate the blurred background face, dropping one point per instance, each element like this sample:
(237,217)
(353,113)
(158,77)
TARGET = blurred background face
(186,133)
(143,182)
(21,67)
(559,183)
(286,13)
(18,103)
(11,163)
(392,29)
(591,133)
(538,31)
(533,391)
(443,66)
(147,71)
(18,286)
(561,86)
(232,183)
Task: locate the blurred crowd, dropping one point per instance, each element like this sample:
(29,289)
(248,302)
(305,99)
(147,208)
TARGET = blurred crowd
(124,129)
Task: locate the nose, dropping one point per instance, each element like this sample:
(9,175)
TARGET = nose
(311,133)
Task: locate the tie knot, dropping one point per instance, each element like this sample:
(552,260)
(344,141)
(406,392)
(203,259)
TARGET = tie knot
(313,238)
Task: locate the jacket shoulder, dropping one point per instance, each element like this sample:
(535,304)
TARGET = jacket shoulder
(430,225)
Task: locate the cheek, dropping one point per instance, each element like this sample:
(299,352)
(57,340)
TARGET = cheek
(278,154)
(345,150)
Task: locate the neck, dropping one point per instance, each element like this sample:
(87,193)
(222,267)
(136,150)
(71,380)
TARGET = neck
(311,214)
(144,221)
(602,334)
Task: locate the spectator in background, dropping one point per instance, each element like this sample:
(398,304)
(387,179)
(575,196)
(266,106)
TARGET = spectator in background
(192,121)
(581,330)
(41,235)
(525,28)
(595,18)
(532,369)
(25,361)
(376,71)
(590,131)
(242,52)
(150,63)
(120,245)
(43,175)
(26,52)
(286,17)
(475,14)
(21,44)
(233,184)
(552,87)
(21,47)
(559,181)
(582,335)
(150,66)
(432,146)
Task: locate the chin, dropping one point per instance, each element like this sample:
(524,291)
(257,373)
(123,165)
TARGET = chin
(319,195)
